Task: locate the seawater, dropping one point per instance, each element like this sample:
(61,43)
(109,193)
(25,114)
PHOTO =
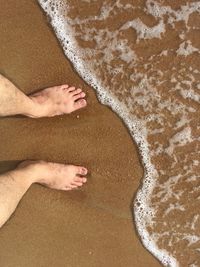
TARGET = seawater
(143,59)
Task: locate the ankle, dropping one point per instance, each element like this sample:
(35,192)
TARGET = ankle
(34,170)
(21,177)
(32,109)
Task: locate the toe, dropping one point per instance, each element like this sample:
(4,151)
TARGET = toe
(81,95)
(77,183)
(64,86)
(67,188)
(84,180)
(82,171)
(80,104)
(77,91)
(71,89)
(72,186)
(80,179)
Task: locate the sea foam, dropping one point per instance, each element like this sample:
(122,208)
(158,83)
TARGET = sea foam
(143,61)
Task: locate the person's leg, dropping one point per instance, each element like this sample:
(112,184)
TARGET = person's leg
(14,184)
(49,102)
(45,103)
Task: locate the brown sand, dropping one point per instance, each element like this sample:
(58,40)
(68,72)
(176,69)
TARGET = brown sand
(89,227)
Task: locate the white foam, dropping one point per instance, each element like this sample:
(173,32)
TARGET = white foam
(173,207)
(195,219)
(69,45)
(157,10)
(143,31)
(192,239)
(166,190)
(143,211)
(186,49)
(179,139)
(164,53)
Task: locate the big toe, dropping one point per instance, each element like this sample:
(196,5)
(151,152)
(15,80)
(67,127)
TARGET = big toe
(82,171)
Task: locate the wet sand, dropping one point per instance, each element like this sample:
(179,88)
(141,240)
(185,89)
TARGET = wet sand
(92,226)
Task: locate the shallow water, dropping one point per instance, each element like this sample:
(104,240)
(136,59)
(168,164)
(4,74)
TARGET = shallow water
(143,58)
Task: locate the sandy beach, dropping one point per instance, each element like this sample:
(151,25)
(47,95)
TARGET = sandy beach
(92,226)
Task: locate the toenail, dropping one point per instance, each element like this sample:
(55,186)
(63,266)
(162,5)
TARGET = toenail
(84,171)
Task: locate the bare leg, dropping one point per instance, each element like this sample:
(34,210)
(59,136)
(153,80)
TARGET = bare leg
(12,100)
(14,184)
(49,102)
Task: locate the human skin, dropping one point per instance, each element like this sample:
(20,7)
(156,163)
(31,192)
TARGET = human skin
(48,102)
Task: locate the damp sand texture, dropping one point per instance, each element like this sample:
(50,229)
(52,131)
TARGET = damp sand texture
(89,227)
(143,59)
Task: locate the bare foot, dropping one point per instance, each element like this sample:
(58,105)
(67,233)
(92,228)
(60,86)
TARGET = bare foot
(54,175)
(57,100)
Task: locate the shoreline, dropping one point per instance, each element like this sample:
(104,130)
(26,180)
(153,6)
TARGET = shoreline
(100,205)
